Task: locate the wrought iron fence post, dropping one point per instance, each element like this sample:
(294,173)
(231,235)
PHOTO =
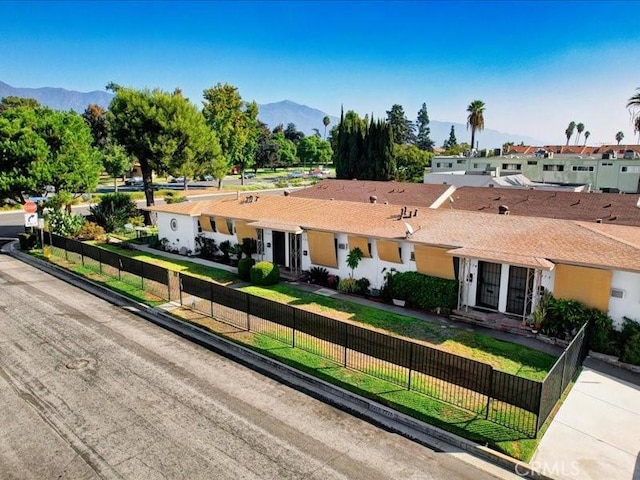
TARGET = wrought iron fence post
(346,340)
(410,365)
(489,393)
(180,287)
(211,298)
(293,339)
(100,260)
(142,276)
(248,312)
(82,253)
(119,269)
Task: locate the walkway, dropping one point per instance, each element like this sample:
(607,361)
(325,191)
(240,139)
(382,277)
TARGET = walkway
(596,433)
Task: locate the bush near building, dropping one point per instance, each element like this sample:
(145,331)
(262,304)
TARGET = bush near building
(264,273)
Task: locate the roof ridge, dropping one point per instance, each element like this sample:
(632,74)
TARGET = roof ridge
(587,226)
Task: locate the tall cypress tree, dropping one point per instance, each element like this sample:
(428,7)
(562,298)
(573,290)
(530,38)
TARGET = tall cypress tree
(452,141)
(423,141)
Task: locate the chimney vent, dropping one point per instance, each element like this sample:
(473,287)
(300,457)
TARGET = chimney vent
(598,220)
(373,199)
(503,210)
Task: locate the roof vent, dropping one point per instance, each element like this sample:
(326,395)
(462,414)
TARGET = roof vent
(598,220)
(287,193)
(503,210)
(373,199)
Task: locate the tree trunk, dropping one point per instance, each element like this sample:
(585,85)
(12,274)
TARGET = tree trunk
(473,137)
(115,184)
(148,189)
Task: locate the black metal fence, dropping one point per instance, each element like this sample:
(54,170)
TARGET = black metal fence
(515,402)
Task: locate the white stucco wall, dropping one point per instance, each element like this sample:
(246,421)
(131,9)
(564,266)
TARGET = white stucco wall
(183,236)
(629,305)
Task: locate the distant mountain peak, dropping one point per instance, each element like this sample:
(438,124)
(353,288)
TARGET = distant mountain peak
(59,98)
(305,118)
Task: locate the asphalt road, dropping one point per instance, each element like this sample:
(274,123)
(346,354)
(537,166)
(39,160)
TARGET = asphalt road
(89,390)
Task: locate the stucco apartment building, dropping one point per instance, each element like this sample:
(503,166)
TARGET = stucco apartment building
(501,262)
(610,168)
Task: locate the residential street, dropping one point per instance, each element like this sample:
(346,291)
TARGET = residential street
(89,390)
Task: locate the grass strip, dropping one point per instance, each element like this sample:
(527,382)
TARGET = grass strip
(504,356)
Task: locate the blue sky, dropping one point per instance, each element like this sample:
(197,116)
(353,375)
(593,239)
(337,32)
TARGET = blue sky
(537,65)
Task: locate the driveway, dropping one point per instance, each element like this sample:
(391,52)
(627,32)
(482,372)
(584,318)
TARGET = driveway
(596,433)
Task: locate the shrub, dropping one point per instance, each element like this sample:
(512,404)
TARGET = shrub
(91,231)
(423,291)
(206,247)
(174,197)
(564,317)
(602,337)
(63,223)
(348,285)
(114,211)
(227,250)
(631,350)
(264,273)
(319,276)
(27,240)
(244,268)
(249,246)
(362,285)
(333,281)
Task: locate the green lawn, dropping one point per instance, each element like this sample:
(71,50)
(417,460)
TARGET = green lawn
(202,271)
(504,356)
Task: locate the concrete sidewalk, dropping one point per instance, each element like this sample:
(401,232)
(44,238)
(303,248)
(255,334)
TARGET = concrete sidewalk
(596,433)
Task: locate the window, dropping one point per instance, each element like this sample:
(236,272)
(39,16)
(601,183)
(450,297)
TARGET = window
(511,166)
(532,162)
(607,164)
(582,168)
(630,169)
(553,168)
(449,165)
(413,256)
(462,160)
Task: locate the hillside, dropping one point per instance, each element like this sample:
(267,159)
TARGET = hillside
(305,118)
(58,98)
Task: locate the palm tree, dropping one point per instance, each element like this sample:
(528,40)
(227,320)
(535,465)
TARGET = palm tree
(475,120)
(632,105)
(619,137)
(326,121)
(569,131)
(580,129)
(587,134)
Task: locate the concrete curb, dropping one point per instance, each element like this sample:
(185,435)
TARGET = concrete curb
(368,410)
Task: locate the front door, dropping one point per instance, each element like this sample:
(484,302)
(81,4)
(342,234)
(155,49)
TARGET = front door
(519,287)
(278,248)
(488,285)
(294,252)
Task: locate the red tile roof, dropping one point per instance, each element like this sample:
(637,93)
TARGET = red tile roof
(612,208)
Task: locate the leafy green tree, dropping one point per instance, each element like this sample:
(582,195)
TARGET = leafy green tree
(314,150)
(569,131)
(423,141)
(285,153)
(619,137)
(113,211)
(411,162)
(115,162)
(62,222)
(452,141)
(14,102)
(293,134)
(475,119)
(40,147)
(234,122)
(158,129)
(401,127)
(96,118)
(458,149)
(266,147)
(587,134)
(326,121)
(354,257)
(579,129)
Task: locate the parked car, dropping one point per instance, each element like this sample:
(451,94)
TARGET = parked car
(177,180)
(133,181)
(207,178)
(248,175)
(296,174)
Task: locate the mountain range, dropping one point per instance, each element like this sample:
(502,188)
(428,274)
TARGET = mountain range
(305,118)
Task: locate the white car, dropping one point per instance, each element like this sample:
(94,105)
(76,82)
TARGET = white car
(133,181)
